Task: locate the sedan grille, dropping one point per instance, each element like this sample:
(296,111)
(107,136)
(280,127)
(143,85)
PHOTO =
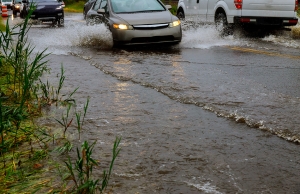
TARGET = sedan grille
(150,26)
(153,39)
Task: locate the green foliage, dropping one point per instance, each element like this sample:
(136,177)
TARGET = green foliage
(72,6)
(173,10)
(81,172)
(52,95)
(2,26)
(20,71)
(67,147)
(23,144)
(16,55)
(65,120)
(80,121)
(16,92)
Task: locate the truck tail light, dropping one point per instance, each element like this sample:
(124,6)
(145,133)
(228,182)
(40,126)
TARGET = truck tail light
(296,5)
(245,20)
(293,21)
(239,4)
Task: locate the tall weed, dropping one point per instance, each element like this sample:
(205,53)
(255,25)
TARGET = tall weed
(81,172)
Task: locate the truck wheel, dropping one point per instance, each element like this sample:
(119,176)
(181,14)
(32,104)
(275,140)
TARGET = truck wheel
(222,25)
(180,15)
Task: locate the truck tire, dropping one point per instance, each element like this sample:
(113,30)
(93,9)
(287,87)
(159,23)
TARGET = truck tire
(222,25)
(180,15)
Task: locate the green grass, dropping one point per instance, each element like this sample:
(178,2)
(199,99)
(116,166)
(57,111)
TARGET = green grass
(77,7)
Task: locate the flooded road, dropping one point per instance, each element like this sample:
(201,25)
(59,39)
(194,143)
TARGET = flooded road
(210,115)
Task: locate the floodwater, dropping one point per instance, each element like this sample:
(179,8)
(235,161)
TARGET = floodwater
(210,115)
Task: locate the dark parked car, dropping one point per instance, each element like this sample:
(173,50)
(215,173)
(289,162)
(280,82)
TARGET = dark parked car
(87,6)
(17,6)
(45,11)
(62,3)
(136,21)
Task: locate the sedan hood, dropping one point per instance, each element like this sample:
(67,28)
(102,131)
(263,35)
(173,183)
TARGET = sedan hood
(47,3)
(146,17)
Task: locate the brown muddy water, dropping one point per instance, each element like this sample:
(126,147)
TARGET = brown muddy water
(210,115)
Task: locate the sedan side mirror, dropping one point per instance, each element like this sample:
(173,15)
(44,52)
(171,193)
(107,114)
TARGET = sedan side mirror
(101,11)
(169,7)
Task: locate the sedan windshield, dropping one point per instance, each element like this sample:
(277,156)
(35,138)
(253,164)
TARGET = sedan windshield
(37,1)
(130,6)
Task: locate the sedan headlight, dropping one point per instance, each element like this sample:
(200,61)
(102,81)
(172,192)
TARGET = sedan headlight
(122,27)
(175,23)
(59,7)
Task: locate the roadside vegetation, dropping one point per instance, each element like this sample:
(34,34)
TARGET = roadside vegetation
(2,26)
(26,165)
(296,29)
(77,6)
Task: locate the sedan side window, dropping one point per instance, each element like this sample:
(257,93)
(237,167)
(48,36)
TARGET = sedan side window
(97,5)
(103,5)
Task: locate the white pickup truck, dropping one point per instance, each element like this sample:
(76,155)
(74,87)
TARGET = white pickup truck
(227,13)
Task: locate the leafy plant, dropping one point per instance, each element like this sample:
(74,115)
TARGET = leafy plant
(51,95)
(80,121)
(67,147)
(80,173)
(65,121)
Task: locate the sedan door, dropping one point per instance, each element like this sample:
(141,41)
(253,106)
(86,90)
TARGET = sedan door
(93,17)
(87,6)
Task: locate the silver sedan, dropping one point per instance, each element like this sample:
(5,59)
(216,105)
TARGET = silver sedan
(136,21)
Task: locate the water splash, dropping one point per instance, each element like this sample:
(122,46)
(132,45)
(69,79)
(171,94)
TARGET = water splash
(205,37)
(70,37)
